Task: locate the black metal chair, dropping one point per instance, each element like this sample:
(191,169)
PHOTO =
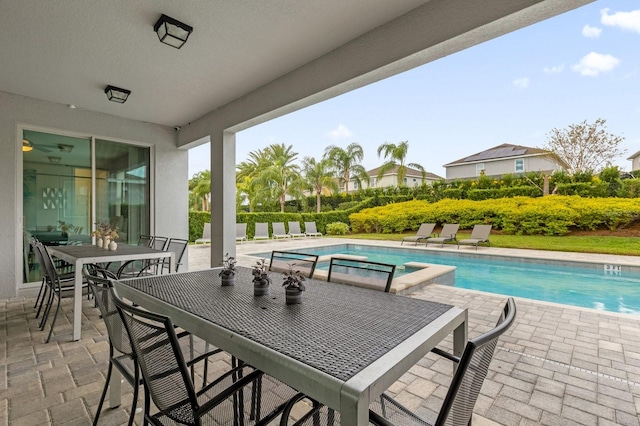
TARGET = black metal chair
(457,407)
(361,272)
(154,267)
(159,243)
(145,240)
(305,263)
(168,384)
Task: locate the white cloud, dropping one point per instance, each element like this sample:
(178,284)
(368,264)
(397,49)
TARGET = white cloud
(595,63)
(341,132)
(629,21)
(556,69)
(591,32)
(521,83)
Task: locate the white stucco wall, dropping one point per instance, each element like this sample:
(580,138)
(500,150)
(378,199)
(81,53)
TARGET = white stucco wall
(169,164)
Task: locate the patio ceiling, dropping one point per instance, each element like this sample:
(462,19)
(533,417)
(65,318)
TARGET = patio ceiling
(68,51)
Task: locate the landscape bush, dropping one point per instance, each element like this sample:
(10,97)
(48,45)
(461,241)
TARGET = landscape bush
(337,228)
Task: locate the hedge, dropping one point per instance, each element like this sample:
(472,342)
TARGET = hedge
(553,215)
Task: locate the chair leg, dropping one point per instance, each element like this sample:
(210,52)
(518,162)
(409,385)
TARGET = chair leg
(45,294)
(47,309)
(39,293)
(104,390)
(53,321)
(136,388)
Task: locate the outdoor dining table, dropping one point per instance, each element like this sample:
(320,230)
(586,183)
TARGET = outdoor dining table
(343,345)
(80,255)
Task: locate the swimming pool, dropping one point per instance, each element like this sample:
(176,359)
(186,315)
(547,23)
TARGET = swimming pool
(586,285)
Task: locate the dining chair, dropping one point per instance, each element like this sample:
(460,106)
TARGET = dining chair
(159,243)
(226,400)
(362,273)
(305,263)
(457,406)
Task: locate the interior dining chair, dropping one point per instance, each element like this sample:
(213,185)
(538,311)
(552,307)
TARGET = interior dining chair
(226,400)
(362,273)
(457,407)
(305,263)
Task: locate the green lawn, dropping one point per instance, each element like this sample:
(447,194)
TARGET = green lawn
(628,246)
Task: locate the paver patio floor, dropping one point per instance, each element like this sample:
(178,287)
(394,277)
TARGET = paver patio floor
(558,365)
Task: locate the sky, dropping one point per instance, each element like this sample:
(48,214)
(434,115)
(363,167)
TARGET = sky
(581,65)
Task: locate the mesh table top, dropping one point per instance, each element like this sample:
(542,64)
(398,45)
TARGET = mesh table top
(337,329)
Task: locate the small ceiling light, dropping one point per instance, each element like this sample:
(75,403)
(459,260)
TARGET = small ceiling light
(26,146)
(65,148)
(172,32)
(54,160)
(116,94)
(72,106)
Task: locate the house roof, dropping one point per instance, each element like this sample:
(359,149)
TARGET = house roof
(634,156)
(410,172)
(499,152)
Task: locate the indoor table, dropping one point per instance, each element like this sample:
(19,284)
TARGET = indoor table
(80,255)
(342,346)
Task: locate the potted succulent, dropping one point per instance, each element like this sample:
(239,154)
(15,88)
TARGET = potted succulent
(261,279)
(228,272)
(293,283)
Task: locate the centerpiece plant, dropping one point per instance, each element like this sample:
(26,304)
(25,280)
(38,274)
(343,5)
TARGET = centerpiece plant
(261,279)
(293,283)
(228,272)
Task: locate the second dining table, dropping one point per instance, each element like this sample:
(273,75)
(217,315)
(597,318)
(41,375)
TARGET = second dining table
(79,255)
(342,346)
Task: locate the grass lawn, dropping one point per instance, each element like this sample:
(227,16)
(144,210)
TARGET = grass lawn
(627,246)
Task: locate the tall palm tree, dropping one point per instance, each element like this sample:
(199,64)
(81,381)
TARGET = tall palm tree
(396,155)
(282,176)
(200,187)
(319,177)
(247,182)
(347,163)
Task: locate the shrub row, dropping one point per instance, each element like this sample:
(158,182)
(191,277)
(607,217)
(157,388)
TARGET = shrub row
(553,215)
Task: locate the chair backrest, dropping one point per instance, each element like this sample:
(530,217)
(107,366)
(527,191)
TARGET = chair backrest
(262,229)
(305,263)
(178,246)
(294,228)
(471,371)
(449,230)
(161,362)
(241,230)
(481,232)
(118,336)
(35,244)
(361,272)
(145,240)
(426,229)
(310,227)
(278,228)
(159,243)
(46,262)
(206,231)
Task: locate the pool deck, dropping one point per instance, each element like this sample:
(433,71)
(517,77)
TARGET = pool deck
(558,365)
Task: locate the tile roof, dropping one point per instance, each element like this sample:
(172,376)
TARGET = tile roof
(497,152)
(410,172)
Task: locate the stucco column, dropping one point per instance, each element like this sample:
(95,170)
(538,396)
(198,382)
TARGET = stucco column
(223,196)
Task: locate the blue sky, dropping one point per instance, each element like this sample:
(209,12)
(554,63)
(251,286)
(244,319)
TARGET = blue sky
(582,65)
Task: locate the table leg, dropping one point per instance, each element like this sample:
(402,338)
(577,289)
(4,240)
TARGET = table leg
(460,338)
(115,386)
(77,301)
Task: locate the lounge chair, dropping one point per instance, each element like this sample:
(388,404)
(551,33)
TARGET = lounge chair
(479,234)
(294,230)
(310,230)
(278,231)
(448,233)
(241,232)
(206,235)
(424,232)
(262,231)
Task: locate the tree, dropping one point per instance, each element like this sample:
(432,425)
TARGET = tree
(585,147)
(276,174)
(396,155)
(200,187)
(346,163)
(247,181)
(319,178)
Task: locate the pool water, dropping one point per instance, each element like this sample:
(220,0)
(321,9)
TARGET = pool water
(589,287)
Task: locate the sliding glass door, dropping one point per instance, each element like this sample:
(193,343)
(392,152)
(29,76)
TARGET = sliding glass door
(71,183)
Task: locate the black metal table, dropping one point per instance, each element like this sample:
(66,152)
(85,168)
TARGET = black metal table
(343,345)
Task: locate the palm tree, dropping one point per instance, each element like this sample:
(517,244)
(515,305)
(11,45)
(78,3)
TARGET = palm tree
(281,176)
(247,181)
(397,155)
(319,177)
(346,163)
(200,187)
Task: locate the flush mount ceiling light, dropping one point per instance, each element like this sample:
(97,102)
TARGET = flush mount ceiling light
(172,32)
(54,160)
(26,146)
(116,94)
(65,148)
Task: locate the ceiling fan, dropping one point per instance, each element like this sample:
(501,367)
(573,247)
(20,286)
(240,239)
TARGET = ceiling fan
(28,146)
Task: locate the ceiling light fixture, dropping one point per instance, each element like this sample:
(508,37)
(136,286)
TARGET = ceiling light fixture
(172,32)
(54,160)
(116,94)
(26,146)
(65,148)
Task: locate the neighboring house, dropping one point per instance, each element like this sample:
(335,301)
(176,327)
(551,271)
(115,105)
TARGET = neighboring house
(635,161)
(504,159)
(412,178)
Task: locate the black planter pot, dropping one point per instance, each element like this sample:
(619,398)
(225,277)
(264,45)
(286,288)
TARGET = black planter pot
(293,296)
(261,287)
(228,280)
